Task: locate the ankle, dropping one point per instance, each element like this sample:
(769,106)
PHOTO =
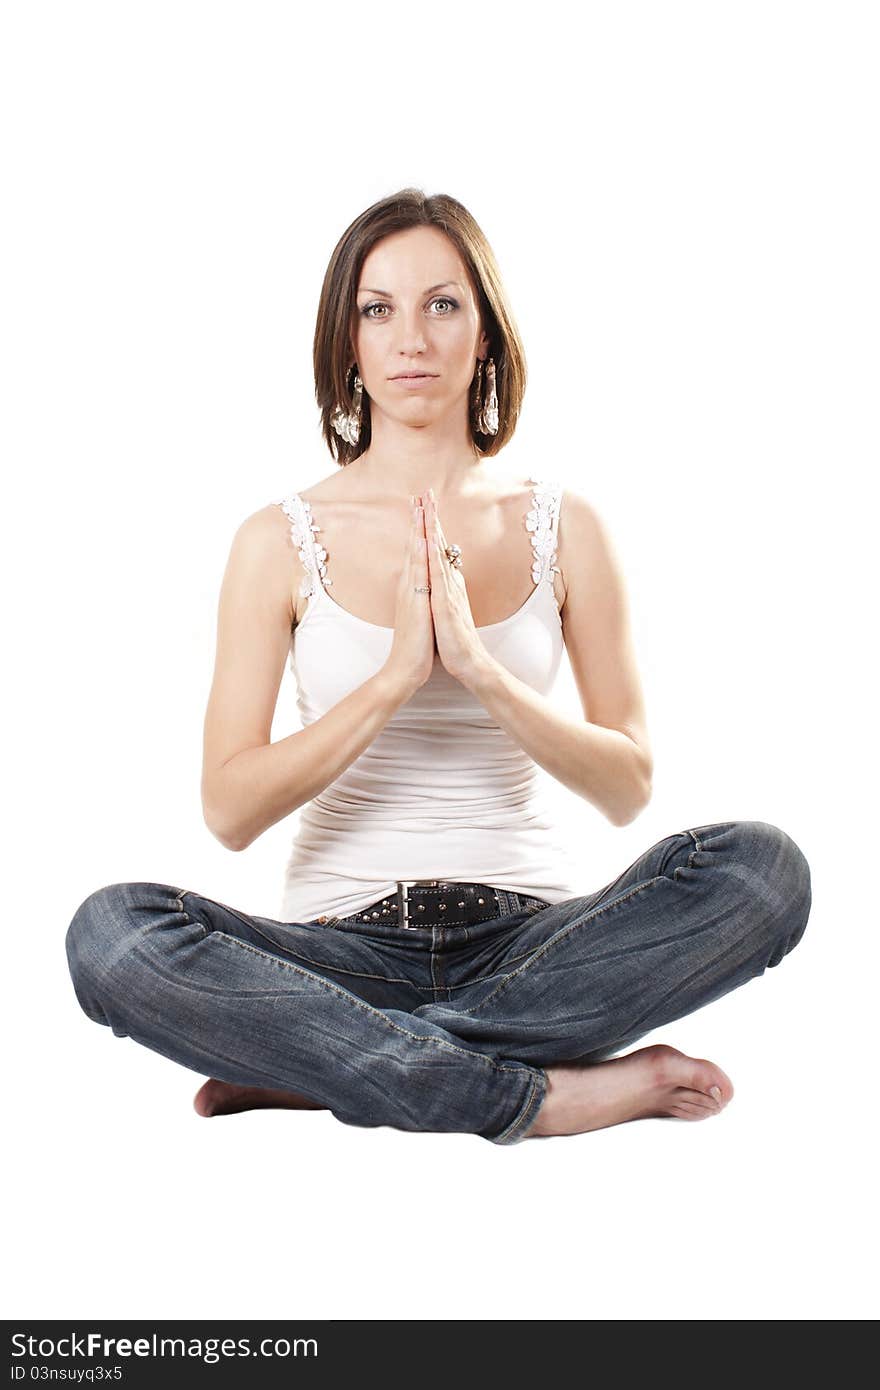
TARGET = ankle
(544,1118)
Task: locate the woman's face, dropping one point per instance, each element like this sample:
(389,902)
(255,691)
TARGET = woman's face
(416,312)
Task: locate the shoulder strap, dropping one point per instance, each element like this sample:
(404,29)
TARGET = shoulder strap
(312,556)
(543,523)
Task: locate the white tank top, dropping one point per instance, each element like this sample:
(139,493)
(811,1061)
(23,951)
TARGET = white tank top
(442,791)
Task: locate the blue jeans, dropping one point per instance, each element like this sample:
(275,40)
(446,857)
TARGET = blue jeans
(443,1028)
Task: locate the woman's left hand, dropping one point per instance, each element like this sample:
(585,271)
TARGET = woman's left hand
(458,642)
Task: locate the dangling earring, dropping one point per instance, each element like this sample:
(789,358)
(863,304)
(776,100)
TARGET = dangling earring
(485,410)
(476,396)
(346,424)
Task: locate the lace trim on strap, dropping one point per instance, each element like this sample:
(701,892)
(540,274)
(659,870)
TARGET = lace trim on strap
(312,555)
(542,521)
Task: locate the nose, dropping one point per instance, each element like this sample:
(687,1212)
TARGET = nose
(410,336)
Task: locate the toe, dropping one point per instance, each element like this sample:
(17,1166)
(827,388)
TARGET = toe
(685,1110)
(699,1098)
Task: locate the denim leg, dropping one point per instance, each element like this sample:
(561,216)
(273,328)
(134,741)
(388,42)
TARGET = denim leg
(696,916)
(214,990)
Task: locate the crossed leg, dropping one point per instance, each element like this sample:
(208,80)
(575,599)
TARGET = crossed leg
(696,916)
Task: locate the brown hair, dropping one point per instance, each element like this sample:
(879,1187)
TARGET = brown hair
(337,312)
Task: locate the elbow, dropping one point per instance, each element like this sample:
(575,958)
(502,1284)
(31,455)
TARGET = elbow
(235,845)
(229,836)
(646,791)
(639,796)
(621,818)
(226,839)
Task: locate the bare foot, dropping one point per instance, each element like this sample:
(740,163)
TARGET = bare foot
(657,1081)
(223,1098)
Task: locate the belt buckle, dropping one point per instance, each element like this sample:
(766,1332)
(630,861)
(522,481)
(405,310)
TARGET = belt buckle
(403,899)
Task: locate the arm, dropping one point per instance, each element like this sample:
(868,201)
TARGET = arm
(249,783)
(607,759)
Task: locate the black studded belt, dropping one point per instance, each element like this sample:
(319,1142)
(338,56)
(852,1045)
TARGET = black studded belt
(434,902)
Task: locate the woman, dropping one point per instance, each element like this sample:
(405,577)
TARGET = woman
(435,966)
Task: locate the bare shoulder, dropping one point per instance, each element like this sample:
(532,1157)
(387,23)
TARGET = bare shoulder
(275,530)
(514,488)
(264,522)
(594,573)
(585,552)
(265,533)
(578,509)
(264,558)
(583,535)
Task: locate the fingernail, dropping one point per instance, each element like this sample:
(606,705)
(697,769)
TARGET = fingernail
(715,1091)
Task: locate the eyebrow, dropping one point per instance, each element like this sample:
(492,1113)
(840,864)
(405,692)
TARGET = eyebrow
(365,289)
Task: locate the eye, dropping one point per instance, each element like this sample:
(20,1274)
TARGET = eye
(367,313)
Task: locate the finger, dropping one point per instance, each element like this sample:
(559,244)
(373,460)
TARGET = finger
(433,562)
(411,555)
(434,517)
(421,559)
(441,544)
(436,543)
(444,566)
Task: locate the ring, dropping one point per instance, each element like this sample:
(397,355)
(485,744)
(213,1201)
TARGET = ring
(453,555)
(421,588)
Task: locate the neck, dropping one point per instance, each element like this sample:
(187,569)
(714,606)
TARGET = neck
(398,464)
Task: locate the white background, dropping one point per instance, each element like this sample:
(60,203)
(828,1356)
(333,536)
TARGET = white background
(683,201)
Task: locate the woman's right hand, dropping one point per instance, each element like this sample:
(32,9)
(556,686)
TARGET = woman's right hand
(414,647)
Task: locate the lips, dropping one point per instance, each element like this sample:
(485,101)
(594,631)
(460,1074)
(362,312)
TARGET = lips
(405,376)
